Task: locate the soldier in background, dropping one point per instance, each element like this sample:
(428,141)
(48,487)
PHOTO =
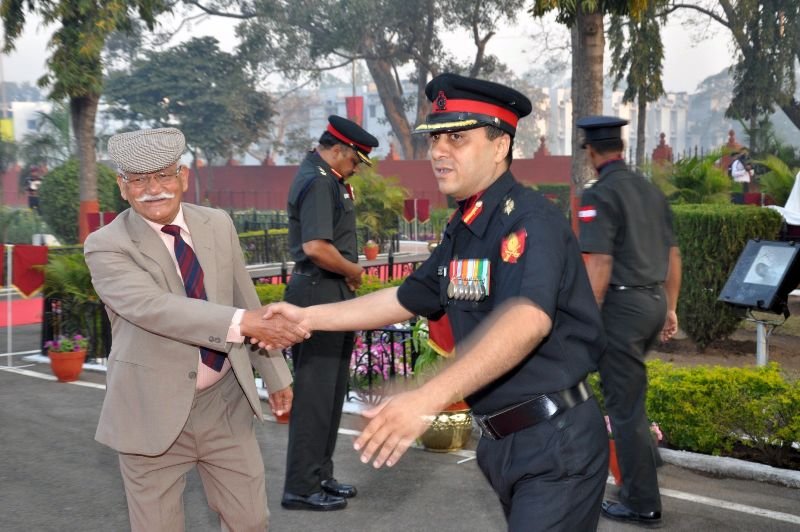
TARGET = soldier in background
(635,269)
(322,242)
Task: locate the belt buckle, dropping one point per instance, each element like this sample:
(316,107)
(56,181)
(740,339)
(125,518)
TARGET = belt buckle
(486,428)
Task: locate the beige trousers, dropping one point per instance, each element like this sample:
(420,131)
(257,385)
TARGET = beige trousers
(219,438)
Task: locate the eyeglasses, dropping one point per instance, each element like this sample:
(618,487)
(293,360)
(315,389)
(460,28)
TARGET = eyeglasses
(140,181)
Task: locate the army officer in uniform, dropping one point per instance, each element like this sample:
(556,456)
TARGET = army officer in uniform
(322,241)
(508,275)
(635,270)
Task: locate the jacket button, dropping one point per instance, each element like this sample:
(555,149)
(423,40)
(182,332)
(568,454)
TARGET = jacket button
(210,338)
(192,375)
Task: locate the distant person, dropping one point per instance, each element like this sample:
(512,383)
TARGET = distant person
(322,242)
(509,277)
(634,266)
(742,171)
(180,388)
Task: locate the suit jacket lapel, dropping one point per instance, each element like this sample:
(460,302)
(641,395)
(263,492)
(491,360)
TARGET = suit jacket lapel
(203,245)
(151,245)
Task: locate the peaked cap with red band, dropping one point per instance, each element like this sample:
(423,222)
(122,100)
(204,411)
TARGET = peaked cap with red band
(466,103)
(353,135)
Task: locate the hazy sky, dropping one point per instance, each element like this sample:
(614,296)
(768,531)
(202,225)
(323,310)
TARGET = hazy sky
(686,63)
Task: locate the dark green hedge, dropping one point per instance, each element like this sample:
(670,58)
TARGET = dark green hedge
(711,238)
(709,409)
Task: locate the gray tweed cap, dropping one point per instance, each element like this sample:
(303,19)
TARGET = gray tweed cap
(146,150)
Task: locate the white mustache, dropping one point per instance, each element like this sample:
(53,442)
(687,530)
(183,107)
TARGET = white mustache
(156,197)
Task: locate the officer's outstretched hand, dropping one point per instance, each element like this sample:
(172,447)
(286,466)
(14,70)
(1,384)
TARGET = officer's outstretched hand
(292,319)
(394,426)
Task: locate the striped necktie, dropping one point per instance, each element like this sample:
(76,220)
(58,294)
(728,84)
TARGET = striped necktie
(192,275)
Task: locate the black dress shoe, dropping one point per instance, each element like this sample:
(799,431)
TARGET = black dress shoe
(619,512)
(334,487)
(319,501)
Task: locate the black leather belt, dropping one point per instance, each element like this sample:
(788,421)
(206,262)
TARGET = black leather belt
(621,287)
(312,270)
(526,414)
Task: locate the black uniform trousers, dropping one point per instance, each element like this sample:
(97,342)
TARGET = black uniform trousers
(550,476)
(321,370)
(633,320)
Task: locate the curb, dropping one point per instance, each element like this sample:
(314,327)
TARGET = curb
(731,467)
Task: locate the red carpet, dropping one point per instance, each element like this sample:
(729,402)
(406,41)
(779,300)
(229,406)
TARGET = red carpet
(24,311)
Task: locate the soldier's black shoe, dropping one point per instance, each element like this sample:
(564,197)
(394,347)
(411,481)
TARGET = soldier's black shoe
(334,487)
(319,501)
(619,512)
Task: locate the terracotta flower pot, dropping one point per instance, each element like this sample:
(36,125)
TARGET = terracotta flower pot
(371,252)
(613,464)
(67,366)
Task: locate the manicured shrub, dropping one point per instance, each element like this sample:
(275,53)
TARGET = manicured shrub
(59,198)
(710,409)
(711,238)
(270,293)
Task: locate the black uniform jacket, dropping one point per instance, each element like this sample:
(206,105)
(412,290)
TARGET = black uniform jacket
(534,254)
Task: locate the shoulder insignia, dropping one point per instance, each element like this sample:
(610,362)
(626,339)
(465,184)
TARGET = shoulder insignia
(589,184)
(508,206)
(321,171)
(587,213)
(513,246)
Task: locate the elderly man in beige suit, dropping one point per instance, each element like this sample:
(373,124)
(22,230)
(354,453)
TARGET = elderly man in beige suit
(180,388)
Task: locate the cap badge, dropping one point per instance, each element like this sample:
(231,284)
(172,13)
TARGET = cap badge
(441,101)
(508,207)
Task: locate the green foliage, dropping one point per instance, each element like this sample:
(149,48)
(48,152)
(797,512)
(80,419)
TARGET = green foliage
(67,278)
(50,145)
(711,238)
(379,201)
(370,283)
(697,180)
(778,180)
(207,93)
(8,155)
(558,193)
(708,409)
(58,198)
(17,226)
(270,293)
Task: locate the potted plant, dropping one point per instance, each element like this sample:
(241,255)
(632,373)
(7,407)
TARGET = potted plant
(67,354)
(75,305)
(371,250)
(451,429)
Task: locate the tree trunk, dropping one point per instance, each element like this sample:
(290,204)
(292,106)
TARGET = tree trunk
(588,43)
(83,110)
(641,132)
(392,100)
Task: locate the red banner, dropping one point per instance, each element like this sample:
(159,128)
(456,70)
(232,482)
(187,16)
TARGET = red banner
(27,264)
(416,208)
(440,336)
(408,210)
(2,265)
(355,108)
(423,210)
(99,219)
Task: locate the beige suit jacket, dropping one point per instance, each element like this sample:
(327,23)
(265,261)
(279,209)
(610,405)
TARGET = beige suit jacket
(156,329)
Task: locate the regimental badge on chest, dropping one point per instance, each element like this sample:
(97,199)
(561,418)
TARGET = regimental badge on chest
(469,279)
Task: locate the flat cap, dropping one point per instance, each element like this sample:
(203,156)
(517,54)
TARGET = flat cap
(460,103)
(353,135)
(146,150)
(597,128)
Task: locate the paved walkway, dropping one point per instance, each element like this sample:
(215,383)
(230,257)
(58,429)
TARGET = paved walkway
(53,476)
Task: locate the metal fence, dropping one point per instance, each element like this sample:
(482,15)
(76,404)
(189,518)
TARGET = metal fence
(62,317)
